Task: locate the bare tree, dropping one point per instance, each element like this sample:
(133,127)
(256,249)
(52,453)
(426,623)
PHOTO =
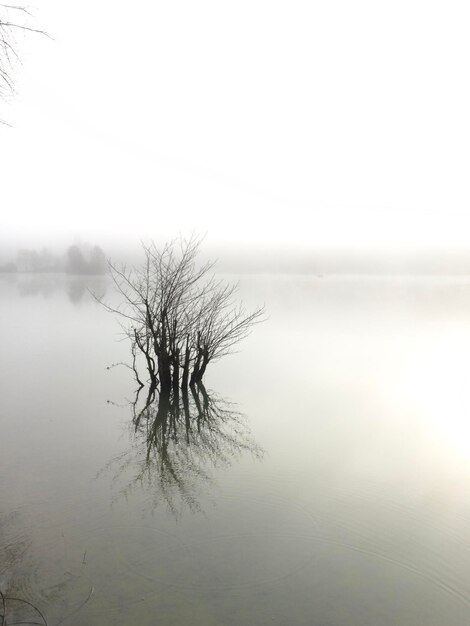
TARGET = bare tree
(178,315)
(13,21)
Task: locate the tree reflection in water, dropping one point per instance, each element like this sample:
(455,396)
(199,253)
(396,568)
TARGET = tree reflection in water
(178,441)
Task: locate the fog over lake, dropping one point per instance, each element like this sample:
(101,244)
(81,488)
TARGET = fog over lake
(316,475)
(331,489)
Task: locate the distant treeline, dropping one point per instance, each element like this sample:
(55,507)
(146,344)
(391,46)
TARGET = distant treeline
(83,259)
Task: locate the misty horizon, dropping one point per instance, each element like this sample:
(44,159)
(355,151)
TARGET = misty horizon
(277,259)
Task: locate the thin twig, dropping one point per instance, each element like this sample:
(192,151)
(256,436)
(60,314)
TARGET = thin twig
(78,608)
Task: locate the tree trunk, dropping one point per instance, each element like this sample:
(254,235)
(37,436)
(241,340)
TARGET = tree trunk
(205,362)
(197,402)
(176,374)
(196,368)
(162,410)
(197,363)
(187,417)
(150,362)
(185,377)
(164,373)
(205,396)
(200,366)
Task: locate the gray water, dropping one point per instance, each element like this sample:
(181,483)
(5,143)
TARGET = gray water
(335,493)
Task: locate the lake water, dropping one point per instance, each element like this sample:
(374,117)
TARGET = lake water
(333,491)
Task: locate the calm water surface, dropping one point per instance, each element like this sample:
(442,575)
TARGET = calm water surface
(333,488)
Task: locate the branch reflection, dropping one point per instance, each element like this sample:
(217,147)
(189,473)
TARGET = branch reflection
(179,441)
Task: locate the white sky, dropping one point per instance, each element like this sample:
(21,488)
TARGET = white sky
(332,122)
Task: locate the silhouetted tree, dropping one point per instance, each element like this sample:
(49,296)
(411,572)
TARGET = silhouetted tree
(76,263)
(47,261)
(28,261)
(88,262)
(8,268)
(97,264)
(178,315)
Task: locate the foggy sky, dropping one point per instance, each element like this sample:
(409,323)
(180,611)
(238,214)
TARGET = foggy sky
(300,125)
